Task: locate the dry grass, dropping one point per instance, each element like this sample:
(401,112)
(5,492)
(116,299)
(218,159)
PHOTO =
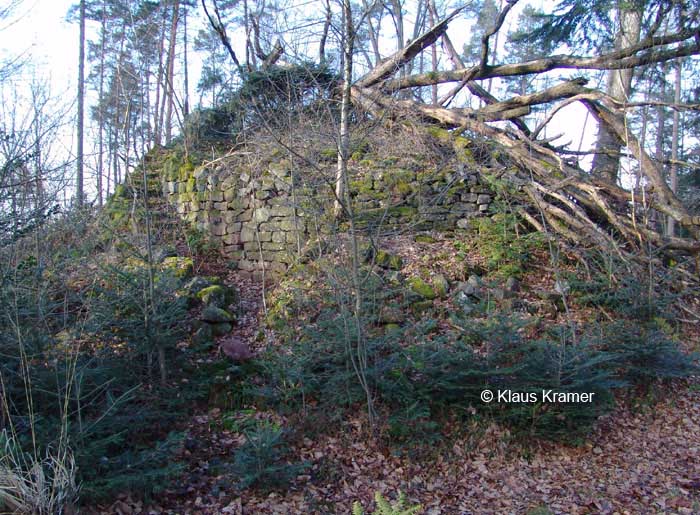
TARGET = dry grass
(29,485)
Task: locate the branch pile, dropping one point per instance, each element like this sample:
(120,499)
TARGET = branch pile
(559,197)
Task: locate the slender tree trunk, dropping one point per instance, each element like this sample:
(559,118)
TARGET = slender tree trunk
(100,108)
(434,58)
(397,13)
(344,136)
(81,108)
(186,105)
(671,227)
(660,126)
(607,160)
(248,44)
(489,84)
(324,34)
(115,154)
(160,82)
(171,72)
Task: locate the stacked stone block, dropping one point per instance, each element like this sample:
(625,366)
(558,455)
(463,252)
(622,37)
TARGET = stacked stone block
(259,225)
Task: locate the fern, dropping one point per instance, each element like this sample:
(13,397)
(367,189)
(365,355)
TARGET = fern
(386,508)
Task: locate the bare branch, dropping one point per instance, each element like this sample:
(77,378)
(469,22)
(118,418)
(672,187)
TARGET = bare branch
(631,57)
(390,65)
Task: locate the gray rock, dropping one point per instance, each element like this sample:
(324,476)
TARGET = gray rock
(221,329)
(195,285)
(215,315)
(512,284)
(261,214)
(501,294)
(475,281)
(465,303)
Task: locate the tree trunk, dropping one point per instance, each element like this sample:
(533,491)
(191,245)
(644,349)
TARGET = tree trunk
(433,56)
(324,34)
(186,105)
(170,75)
(160,83)
(671,227)
(344,136)
(100,108)
(81,109)
(606,161)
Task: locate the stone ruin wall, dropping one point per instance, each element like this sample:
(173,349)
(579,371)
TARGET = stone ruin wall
(263,220)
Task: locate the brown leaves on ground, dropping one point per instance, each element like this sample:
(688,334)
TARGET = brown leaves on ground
(643,461)
(638,460)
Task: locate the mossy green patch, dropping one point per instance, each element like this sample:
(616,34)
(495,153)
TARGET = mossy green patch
(421,306)
(403,188)
(215,315)
(404,211)
(216,295)
(179,266)
(328,154)
(387,260)
(440,285)
(422,288)
(191,184)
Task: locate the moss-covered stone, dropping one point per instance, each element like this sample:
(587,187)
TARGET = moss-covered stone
(441,285)
(216,295)
(403,188)
(215,315)
(404,211)
(387,260)
(328,154)
(221,329)
(424,238)
(179,266)
(421,306)
(190,185)
(195,285)
(422,288)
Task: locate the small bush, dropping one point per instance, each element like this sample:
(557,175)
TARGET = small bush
(505,243)
(260,461)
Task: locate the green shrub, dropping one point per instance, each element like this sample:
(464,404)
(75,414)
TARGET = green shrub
(199,242)
(644,353)
(505,243)
(260,461)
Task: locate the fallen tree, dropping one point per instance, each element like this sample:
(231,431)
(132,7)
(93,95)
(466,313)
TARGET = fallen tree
(558,197)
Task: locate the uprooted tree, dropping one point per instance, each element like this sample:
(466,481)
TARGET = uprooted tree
(559,196)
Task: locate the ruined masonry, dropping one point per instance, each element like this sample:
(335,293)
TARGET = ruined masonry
(264,219)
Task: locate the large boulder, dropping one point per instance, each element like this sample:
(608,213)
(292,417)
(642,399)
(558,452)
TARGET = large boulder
(422,288)
(215,315)
(217,295)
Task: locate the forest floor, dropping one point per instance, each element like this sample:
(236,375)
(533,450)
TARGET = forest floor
(644,457)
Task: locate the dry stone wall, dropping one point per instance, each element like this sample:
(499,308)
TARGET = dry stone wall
(263,219)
